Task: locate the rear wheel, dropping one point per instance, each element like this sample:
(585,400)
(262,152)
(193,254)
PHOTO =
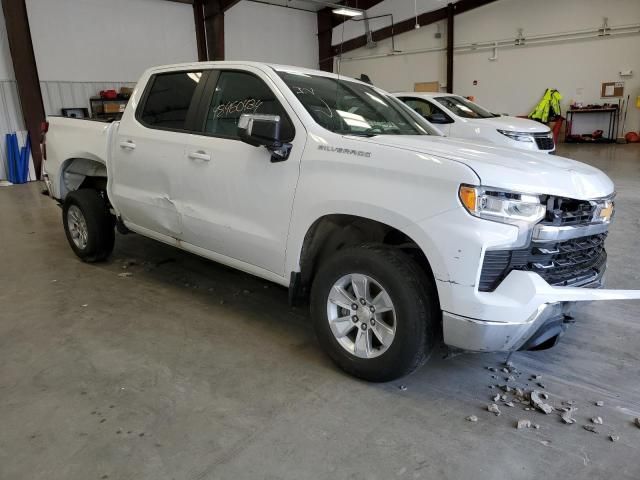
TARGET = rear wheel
(89,226)
(374,312)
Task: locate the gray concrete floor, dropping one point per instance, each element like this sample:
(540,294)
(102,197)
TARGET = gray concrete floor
(189,370)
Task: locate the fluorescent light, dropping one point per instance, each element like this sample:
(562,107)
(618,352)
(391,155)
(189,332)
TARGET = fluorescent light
(347,12)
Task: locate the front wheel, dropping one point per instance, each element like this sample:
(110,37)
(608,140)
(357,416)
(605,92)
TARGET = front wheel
(89,226)
(374,312)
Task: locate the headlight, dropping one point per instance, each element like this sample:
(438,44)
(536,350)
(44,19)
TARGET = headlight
(502,205)
(604,211)
(517,136)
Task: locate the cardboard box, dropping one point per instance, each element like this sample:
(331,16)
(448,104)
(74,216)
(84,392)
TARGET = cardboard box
(114,107)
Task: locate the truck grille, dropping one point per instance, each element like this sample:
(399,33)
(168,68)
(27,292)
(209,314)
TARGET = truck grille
(544,141)
(574,262)
(567,211)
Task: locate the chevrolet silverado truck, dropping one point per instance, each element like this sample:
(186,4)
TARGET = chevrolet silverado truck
(395,235)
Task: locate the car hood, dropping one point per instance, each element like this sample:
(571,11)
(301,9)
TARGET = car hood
(507,168)
(513,124)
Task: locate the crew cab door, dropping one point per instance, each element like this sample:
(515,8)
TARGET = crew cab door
(432,113)
(149,149)
(235,201)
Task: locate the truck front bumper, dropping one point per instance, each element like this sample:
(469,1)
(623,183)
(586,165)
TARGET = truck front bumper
(547,310)
(543,327)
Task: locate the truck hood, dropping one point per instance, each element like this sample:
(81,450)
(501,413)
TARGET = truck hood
(510,169)
(513,124)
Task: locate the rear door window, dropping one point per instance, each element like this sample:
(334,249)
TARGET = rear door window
(168,100)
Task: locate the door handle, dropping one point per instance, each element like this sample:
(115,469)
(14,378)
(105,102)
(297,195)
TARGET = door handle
(205,157)
(128,145)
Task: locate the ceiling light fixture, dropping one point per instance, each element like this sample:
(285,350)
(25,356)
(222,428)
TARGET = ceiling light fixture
(347,12)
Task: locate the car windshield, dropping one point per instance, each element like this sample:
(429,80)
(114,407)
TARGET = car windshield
(351,108)
(464,108)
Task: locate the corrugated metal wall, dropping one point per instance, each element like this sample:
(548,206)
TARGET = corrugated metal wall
(64,94)
(10,120)
(55,95)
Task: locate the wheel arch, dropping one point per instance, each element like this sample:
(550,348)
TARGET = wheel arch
(86,171)
(332,232)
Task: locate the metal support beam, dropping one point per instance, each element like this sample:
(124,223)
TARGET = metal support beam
(327,21)
(407,25)
(26,72)
(201,38)
(450,16)
(325,33)
(214,26)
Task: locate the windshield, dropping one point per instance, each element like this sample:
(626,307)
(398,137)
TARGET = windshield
(464,108)
(350,108)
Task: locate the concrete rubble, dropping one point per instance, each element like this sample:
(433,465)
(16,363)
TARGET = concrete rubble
(536,400)
(471,418)
(567,416)
(539,404)
(493,408)
(523,424)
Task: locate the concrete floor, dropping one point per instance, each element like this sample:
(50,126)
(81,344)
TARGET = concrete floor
(189,370)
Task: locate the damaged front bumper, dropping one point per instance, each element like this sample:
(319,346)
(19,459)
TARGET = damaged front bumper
(532,314)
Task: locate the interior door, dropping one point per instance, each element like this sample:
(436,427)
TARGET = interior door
(148,150)
(235,201)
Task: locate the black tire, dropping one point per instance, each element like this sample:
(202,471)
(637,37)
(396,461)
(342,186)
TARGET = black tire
(100,225)
(414,299)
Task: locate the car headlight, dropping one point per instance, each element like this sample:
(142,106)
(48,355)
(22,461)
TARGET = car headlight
(502,205)
(517,136)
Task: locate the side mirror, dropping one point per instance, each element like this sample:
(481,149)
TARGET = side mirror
(438,118)
(264,131)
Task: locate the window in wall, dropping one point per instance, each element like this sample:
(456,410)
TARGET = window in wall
(168,101)
(240,92)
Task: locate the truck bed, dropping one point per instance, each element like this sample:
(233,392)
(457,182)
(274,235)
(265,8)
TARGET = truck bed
(77,147)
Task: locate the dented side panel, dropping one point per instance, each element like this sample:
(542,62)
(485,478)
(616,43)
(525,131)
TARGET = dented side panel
(146,179)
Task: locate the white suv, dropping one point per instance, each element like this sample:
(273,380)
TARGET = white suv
(455,116)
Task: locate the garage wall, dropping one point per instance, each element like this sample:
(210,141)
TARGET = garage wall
(83,46)
(270,33)
(514,82)
(401,10)
(10,112)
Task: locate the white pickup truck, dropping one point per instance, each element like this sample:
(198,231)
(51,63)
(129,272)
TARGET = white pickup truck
(333,188)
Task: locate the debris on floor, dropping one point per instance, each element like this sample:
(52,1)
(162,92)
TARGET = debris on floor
(125,274)
(537,402)
(493,408)
(403,388)
(471,418)
(534,400)
(566,416)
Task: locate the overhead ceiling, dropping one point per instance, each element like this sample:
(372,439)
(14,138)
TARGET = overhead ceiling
(297,4)
(312,6)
